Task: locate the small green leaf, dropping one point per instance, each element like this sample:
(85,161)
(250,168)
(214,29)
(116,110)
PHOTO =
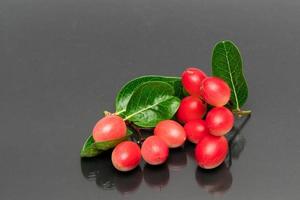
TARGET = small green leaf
(88,149)
(150,103)
(227,64)
(127,90)
(103,146)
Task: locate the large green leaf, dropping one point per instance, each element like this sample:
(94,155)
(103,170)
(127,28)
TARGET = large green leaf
(127,90)
(150,103)
(89,149)
(227,64)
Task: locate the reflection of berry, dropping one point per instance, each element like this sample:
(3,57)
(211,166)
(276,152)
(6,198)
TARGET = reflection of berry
(211,151)
(215,91)
(177,159)
(171,132)
(156,176)
(126,156)
(109,128)
(192,80)
(216,181)
(154,150)
(219,121)
(196,130)
(128,182)
(191,108)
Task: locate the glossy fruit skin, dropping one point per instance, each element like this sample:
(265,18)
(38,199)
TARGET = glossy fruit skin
(191,108)
(215,91)
(211,151)
(196,130)
(126,156)
(109,128)
(219,121)
(171,132)
(154,150)
(192,80)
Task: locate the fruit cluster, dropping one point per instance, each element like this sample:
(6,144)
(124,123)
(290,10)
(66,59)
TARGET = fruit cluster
(208,134)
(193,107)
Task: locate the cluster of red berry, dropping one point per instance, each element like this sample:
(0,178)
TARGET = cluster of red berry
(208,133)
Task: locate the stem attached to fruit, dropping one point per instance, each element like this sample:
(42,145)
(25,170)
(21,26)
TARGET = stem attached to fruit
(137,130)
(242,113)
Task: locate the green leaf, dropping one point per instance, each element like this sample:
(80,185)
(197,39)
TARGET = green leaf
(127,90)
(150,103)
(88,149)
(103,146)
(227,64)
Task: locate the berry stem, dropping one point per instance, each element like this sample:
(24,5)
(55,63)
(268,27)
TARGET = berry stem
(242,113)
(107,113)
(137,130)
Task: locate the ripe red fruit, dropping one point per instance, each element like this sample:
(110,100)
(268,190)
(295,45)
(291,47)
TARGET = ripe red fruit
(219,121)
(171,132)
(126,156)
(211,151)
(154,150)
(196,130)
(192,80)
(109,128)
(191,108)
(215,91)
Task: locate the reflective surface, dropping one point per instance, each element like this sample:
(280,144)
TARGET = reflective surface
(157,178)
(63,61)
(215,182)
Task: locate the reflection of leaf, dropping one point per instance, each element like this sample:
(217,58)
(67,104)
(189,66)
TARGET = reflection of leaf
(227,64)
(151,103)
(126,92)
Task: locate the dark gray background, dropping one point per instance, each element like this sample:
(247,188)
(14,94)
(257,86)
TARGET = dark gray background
(62,63)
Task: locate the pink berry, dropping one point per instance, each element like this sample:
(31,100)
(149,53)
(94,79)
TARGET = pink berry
(192,79)
(191,108)
(211,151)
(196,130)
(126,156)
(171,132)
(154,150)
(109,128)
(215,91)
(219,121)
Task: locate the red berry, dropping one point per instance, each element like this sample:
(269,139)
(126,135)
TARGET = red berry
(154,150)
(191,108)
(211,151)
(171,132)
(192,79)
(215,91)
(219,121)
(126,156)
(196,130)
(109,128)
